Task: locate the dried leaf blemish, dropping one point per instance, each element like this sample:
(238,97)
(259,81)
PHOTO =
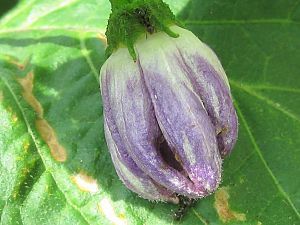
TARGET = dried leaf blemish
(58,152)
(223,208)
(107,209)
(47,133)
(85,183)
(27,85)
(15,61)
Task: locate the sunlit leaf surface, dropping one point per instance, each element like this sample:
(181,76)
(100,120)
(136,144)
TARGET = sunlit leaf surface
(54,163)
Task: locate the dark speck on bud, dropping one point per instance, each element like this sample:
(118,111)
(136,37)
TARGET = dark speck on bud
(143,16)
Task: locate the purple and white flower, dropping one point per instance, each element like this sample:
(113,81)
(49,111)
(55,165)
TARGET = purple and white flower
(169,116)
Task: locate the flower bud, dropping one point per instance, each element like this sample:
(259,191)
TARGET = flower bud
(169,116)
(131,175)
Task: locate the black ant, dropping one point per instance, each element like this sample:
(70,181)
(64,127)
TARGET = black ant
(144,19)
(184,204)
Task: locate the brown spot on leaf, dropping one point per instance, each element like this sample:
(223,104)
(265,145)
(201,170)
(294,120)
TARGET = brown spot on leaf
(27,84)
(223,208)
(85,183)
(47,133)
(58,152)
(21,66)
(14,61)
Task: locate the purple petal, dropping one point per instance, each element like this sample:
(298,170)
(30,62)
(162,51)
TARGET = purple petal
(127,102)
(210,82)
(180,113)
(132,176)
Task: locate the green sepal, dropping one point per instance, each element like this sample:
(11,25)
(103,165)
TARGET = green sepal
(131,20)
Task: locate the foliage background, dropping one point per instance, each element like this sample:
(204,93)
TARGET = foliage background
(50,56)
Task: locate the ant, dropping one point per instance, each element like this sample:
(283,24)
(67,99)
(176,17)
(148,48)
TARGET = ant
(144,19)
(184,204)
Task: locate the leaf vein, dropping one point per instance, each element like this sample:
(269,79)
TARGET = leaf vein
(243,162)
(199,217)
(30,132)
(259,153)
(268,101)
(87,57)
(254,41)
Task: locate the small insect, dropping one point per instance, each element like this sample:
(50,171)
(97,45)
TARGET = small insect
(184,204)
(144,19)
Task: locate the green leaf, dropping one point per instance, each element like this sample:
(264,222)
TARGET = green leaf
(54,163)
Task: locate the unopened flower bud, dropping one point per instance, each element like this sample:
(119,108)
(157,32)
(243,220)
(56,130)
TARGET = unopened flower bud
(169,116)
